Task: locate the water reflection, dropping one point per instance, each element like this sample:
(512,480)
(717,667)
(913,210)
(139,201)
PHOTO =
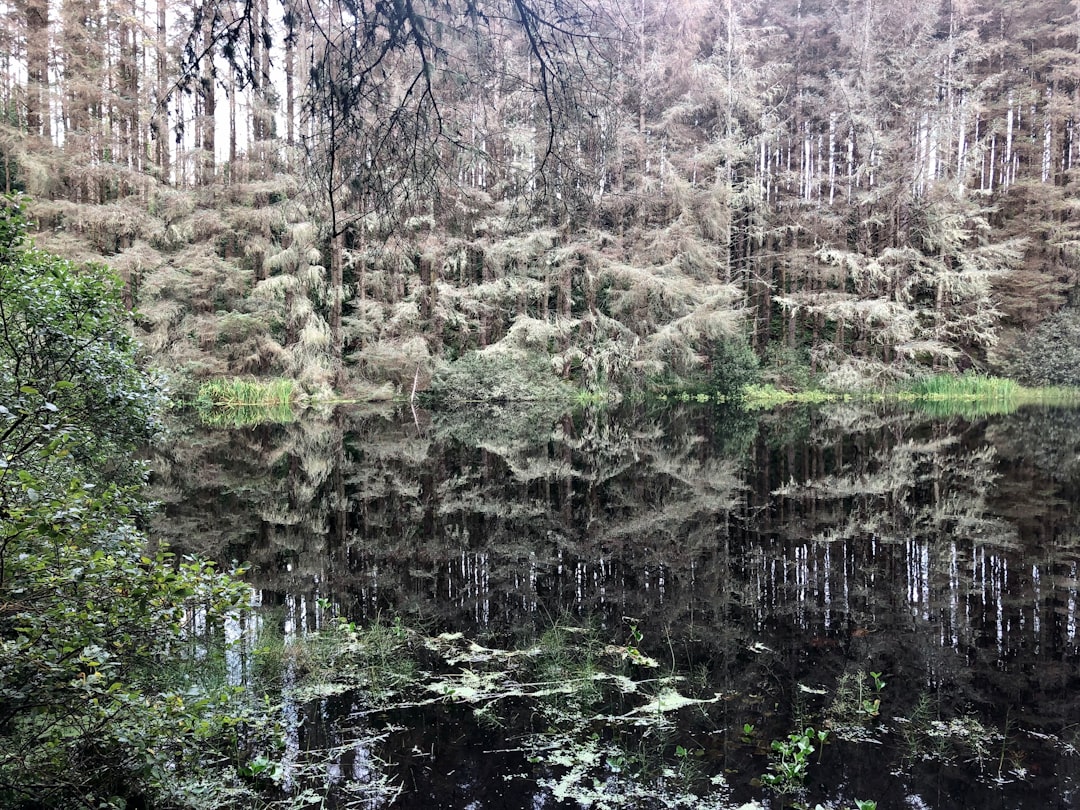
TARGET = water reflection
(772,557)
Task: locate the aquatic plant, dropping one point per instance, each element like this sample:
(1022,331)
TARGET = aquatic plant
(791,761)
(856,701)
(762,397)
(977,395)
(965,386)
(237,392)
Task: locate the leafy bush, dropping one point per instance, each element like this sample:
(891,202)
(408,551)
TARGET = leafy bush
(733,365)
(722,373)
(93,627)
(1050,353)
(69,381)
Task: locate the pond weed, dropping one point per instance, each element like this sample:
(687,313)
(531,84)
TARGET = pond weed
(856,703)
(790,762)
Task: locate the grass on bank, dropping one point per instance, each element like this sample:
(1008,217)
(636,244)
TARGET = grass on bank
(976,395)
(765,396)
(970,395)
(246,402)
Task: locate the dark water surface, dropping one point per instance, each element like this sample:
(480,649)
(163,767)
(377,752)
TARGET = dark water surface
(773,562)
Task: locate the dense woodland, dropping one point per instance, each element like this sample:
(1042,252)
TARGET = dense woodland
(494,196)
(344,192)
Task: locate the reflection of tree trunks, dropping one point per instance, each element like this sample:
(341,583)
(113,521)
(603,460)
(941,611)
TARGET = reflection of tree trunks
(430,477)
(341,500)
(567,488)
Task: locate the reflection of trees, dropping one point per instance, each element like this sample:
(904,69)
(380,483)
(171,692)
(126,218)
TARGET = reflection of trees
(484,506)
(893,544)
(942,553)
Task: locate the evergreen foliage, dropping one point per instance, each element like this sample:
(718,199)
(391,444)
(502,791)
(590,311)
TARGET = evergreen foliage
(498,376)
(883,187)
(732,365)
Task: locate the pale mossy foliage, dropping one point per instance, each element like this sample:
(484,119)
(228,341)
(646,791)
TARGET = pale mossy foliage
(640,234)
(296,286)
(234,281)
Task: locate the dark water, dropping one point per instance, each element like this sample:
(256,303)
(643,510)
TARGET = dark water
(775,561)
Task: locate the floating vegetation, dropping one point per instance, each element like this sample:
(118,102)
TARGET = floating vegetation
(574,683)
(963,738)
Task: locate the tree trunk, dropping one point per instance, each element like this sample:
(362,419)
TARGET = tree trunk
(37,68)
(290,74)
(160,124)
(337,289)
(209,110)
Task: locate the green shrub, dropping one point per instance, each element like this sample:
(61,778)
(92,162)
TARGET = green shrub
(498,377)
(1050,353)
(93,626)
(733,365)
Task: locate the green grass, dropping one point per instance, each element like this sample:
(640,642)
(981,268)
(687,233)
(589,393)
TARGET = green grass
(586,397)
(762,397)
(246,402)
(941,395)
(966,386)
(976,395)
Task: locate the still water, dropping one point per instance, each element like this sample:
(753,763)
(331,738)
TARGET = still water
(906,582)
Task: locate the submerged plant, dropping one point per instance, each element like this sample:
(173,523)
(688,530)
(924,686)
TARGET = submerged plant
(857,701)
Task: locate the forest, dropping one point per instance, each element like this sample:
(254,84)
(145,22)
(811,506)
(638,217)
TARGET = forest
(511,200)
(617,195)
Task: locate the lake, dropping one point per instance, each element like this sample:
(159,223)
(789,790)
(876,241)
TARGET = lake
(627,607)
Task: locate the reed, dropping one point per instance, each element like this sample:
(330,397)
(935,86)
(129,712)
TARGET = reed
(966,387)
(246,402)
(976,395)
